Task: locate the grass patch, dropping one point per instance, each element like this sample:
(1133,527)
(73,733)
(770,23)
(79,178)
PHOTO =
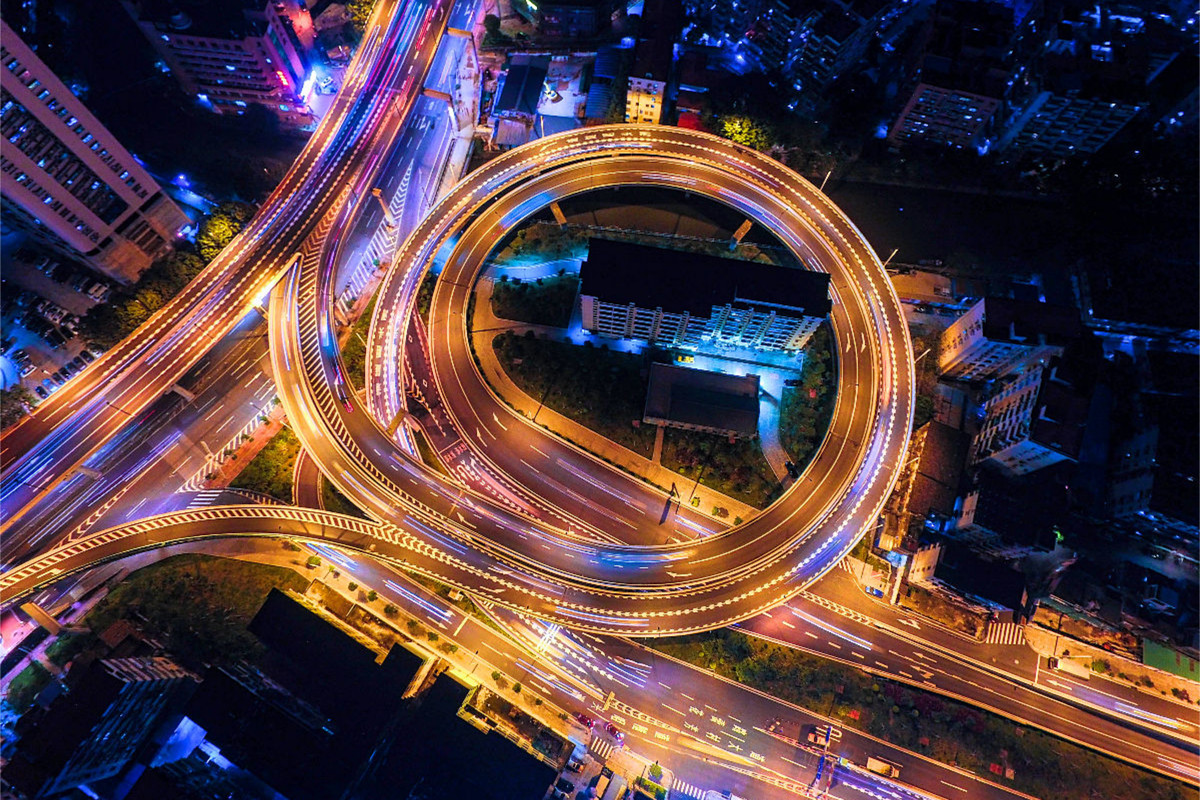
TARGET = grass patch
(68,645)
(198,605)
(333,500)
(427,454)
(946,730)
(736,469)
(271,471)
(354,352)
(25,687)
(545,301)
(806,409)
(425,295)
(935,607)
(599,388)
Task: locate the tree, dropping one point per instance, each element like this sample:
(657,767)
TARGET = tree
(221,226)
(313,562)
(391,610)
(745,131)
(360,13)
(372,596)
(491,24)
(14,404)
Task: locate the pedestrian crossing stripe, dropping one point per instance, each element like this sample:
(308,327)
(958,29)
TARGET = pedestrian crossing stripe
(684,789)
(1005,633)
(602,748)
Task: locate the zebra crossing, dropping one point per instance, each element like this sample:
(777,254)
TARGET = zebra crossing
(600,748)
(684,789)
(1005,633)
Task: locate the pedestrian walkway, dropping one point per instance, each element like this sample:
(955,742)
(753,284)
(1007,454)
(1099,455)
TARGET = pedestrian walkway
(1005,633)
(600,748)
(684,789)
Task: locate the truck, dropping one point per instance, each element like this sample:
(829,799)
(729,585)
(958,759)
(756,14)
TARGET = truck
(883,767)
(1071,667)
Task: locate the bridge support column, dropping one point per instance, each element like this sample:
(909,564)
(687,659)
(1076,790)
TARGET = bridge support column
(42,617)
(558,215)
(740,234)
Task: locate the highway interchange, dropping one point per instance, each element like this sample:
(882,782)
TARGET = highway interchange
(576,574)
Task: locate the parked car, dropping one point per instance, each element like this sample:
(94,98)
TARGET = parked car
(87,356)
(41,392)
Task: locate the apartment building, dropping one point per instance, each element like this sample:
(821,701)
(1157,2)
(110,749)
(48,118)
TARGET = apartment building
(67,182)
(999,336)
(692,301)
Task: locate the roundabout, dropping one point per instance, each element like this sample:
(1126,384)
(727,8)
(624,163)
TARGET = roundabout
(471,541)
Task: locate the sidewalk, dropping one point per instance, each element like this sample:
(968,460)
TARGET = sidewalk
(486,327)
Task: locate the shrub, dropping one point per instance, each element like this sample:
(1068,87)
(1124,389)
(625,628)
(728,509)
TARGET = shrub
(372,596)
(391,610)
(353,586)
(313,562)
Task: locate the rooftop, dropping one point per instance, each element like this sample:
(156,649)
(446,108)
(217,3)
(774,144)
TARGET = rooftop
(657,277)
(703,399)
(1027,322)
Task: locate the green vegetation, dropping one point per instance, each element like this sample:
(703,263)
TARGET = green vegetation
(360,13)
(354,352)
(595,386)
(806,409)
(69,644)
(338,503)
(313,562)
(744,130)
(540,241)
(925,347)
(198,605)
(545,301)
(606,392)
(946,730)
(425,295)
(14,404)
(25,687)
(110,322)
(271,471)
(737,469)
(650,789)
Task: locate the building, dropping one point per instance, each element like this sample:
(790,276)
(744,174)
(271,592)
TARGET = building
(568,19)
(1012,517)
(698,400)
(999,336)
(1035,421)
(91,735)
(647,91)
(67,182)
(972,57)
(229,54)
(693,301)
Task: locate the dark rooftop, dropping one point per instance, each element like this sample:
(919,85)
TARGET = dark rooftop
(214,19)
(522,85)
(970,574)
(1061,411)
(939,472)
(657,277)
(1029,322)
(703,399)
(1023,510)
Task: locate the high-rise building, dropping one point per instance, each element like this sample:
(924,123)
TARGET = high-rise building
(647,92)
(1035,421)
(94,733)
(229,54)
(999,336)
(677,299)
(67,181)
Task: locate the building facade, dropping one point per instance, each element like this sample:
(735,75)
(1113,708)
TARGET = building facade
(67,182)
(1035,421)
(229,55)
(999,336)
(691,301)
(644,100)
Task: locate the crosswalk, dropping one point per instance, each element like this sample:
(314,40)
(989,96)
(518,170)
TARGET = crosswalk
(600,748)
(684,789)
(1005,633)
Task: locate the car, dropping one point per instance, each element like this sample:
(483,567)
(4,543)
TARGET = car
(78,363)
(565,785)
(87,356)
(343,397)
(58,381)
(616,734)
(585,720)
(41,392)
